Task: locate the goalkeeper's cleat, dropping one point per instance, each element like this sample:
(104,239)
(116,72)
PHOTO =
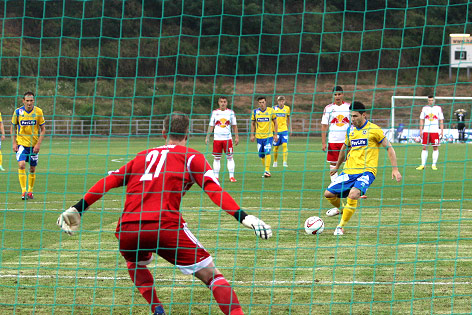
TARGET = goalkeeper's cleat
(420,168)
(232,179)
(159,310)
(285,164)
(1,168)
(266,175)
(275,164)
(333,212)
(434,167)
(30,195)
(339,231)
(23,196)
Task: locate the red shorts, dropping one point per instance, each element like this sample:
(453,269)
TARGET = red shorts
(333,152)
(174,243)
(220,146)
(431,138)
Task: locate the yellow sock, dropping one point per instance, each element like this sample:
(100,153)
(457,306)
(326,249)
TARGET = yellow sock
(22,178)
(348,211)
(31,179)
(276,153)
(267,163)
(335,201)
(1,158)
(285,152)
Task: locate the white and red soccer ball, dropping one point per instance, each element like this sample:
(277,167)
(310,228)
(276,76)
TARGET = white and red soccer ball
(314,225)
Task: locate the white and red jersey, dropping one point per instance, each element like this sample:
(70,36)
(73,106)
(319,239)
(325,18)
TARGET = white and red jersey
(431,115)
(156,181)
(337,117)
(222,120)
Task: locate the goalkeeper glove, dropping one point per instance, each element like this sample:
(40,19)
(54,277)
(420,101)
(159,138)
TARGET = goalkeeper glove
(69,221)
(260,228)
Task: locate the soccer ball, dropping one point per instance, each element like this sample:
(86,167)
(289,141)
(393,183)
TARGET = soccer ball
(314,225)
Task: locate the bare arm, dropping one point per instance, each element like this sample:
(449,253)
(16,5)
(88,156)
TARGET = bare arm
(276,129)
(2,129)
(324,132)
(13,139)
(393,159)
(42,133)
(253,128)
(421,127)
(209,132)
(441,125)
(236,134)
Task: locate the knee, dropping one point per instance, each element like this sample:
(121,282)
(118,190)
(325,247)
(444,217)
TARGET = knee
(328,194)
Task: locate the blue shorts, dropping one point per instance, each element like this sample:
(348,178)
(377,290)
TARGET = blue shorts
(26,154)
(264,146)
(283,138)
(344,182)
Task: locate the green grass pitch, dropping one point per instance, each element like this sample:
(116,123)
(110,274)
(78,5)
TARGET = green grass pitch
(407,249)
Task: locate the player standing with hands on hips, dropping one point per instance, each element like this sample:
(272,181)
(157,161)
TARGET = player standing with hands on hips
(27,133)
(151,222)
(431,130)
(221,121)
(363,140)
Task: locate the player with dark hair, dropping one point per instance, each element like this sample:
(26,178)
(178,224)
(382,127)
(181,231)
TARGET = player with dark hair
(221,121)
(151,222)
(362,140)
(431,131)
(27,133)
(461,116)
(264,128)
(334,123)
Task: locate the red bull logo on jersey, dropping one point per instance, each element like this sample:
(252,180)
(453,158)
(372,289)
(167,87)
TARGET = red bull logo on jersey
(431,117)
(223,123)
(27,122)
(358,142)
(340,120)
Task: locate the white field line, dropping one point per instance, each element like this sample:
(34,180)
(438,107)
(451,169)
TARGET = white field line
(369,283)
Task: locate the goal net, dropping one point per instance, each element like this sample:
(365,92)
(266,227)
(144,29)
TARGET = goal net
(106,74)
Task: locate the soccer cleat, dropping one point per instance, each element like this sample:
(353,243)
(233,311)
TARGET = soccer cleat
(1,168)
(363,197)
(434,167)
(339,231)
(266,175)
(420,168)
(23,196)
(232,179)
(333,212)
(285,164)
(275,164)
(159,310)
(30,195)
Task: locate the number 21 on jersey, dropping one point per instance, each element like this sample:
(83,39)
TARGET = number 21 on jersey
(151,159)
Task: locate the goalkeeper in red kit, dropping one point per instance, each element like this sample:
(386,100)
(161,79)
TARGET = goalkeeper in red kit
(151,222)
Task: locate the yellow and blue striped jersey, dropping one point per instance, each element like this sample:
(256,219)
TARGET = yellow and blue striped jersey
(364,144)
(0,117)
(263,119)
(27,125)
(283,115)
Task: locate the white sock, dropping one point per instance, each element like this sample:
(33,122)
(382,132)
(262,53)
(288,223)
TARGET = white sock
(424,157)
(216,166)
(333,177)
(230,164)
(435,156)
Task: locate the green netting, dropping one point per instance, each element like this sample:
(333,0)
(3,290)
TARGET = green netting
(105,74)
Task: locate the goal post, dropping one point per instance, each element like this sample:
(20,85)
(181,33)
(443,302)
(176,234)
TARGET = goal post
(453,100)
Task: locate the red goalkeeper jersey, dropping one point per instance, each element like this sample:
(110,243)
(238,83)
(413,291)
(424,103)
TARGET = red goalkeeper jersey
(156,181)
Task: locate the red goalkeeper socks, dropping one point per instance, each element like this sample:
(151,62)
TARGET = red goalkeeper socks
(144,281)
(224,295)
